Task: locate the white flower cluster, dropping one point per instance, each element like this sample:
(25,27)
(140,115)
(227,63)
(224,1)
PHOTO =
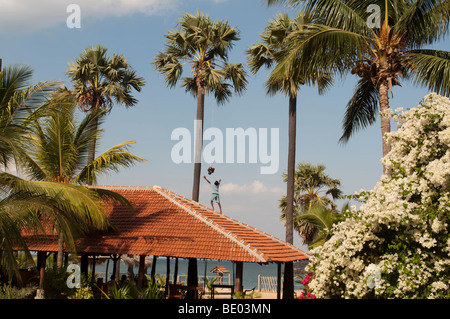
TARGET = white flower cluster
(403,227)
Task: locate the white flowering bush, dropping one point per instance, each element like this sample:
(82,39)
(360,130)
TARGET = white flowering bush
(397,245)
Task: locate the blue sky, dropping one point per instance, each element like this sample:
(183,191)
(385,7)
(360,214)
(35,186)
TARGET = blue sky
(35,33)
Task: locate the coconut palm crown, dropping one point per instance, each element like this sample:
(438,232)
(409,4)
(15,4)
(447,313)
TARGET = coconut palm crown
(56,165)
(348,40)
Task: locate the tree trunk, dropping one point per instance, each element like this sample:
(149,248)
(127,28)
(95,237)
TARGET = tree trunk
(192,265)
(142,272)
(238,285)
(198,143)
(288,285)
(192,279)
(385,120)
(60,256)
(92,146)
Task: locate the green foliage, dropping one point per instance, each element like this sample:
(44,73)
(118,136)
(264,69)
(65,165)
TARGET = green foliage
(152,291)
(204,44)
(209,283)
(274,45)
(340,40)
(55,283)
(99,80)
(85,292)
(314,210)
(129,290)
(12,292)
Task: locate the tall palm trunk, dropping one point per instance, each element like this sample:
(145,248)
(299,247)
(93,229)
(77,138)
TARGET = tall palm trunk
(288,285)
(198,143)
(60,256)
(92,145)
(192,265)
(385,120)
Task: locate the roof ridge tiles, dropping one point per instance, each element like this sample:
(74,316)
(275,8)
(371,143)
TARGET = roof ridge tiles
(269,236)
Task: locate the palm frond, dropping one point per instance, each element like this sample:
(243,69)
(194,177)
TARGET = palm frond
(111,160)
(82,202)
(361,109)
(99,80)
(318,216)
(109,195)
(236,73)
(424,21)
(204,45)
(431,69)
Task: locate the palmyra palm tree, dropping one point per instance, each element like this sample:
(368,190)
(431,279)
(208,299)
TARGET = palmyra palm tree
(381,55)
(266,53)
(101,81)
(56,157)
(204,45)
(313,189)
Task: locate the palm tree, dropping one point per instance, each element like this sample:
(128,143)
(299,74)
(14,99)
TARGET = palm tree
(322,219)
(56,161)
(204,45)
(312,190)
(100,81)
(345,42)
(18,102)
(266,53)
(15,217)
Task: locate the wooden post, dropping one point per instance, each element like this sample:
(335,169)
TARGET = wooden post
(84,264)
(175,274)
(106,271)
(42,257)
(168,270)
(192,279)
(167,276)
(94,261)
(141,272)
(155,258)
(239,274)
(279,281)
(117,268)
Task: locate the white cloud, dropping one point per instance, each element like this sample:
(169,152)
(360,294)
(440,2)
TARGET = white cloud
(33,15)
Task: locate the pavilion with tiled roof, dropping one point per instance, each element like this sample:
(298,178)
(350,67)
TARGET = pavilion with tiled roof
(165,224)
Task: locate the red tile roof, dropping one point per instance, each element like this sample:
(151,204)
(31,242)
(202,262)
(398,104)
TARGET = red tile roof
(166,224)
